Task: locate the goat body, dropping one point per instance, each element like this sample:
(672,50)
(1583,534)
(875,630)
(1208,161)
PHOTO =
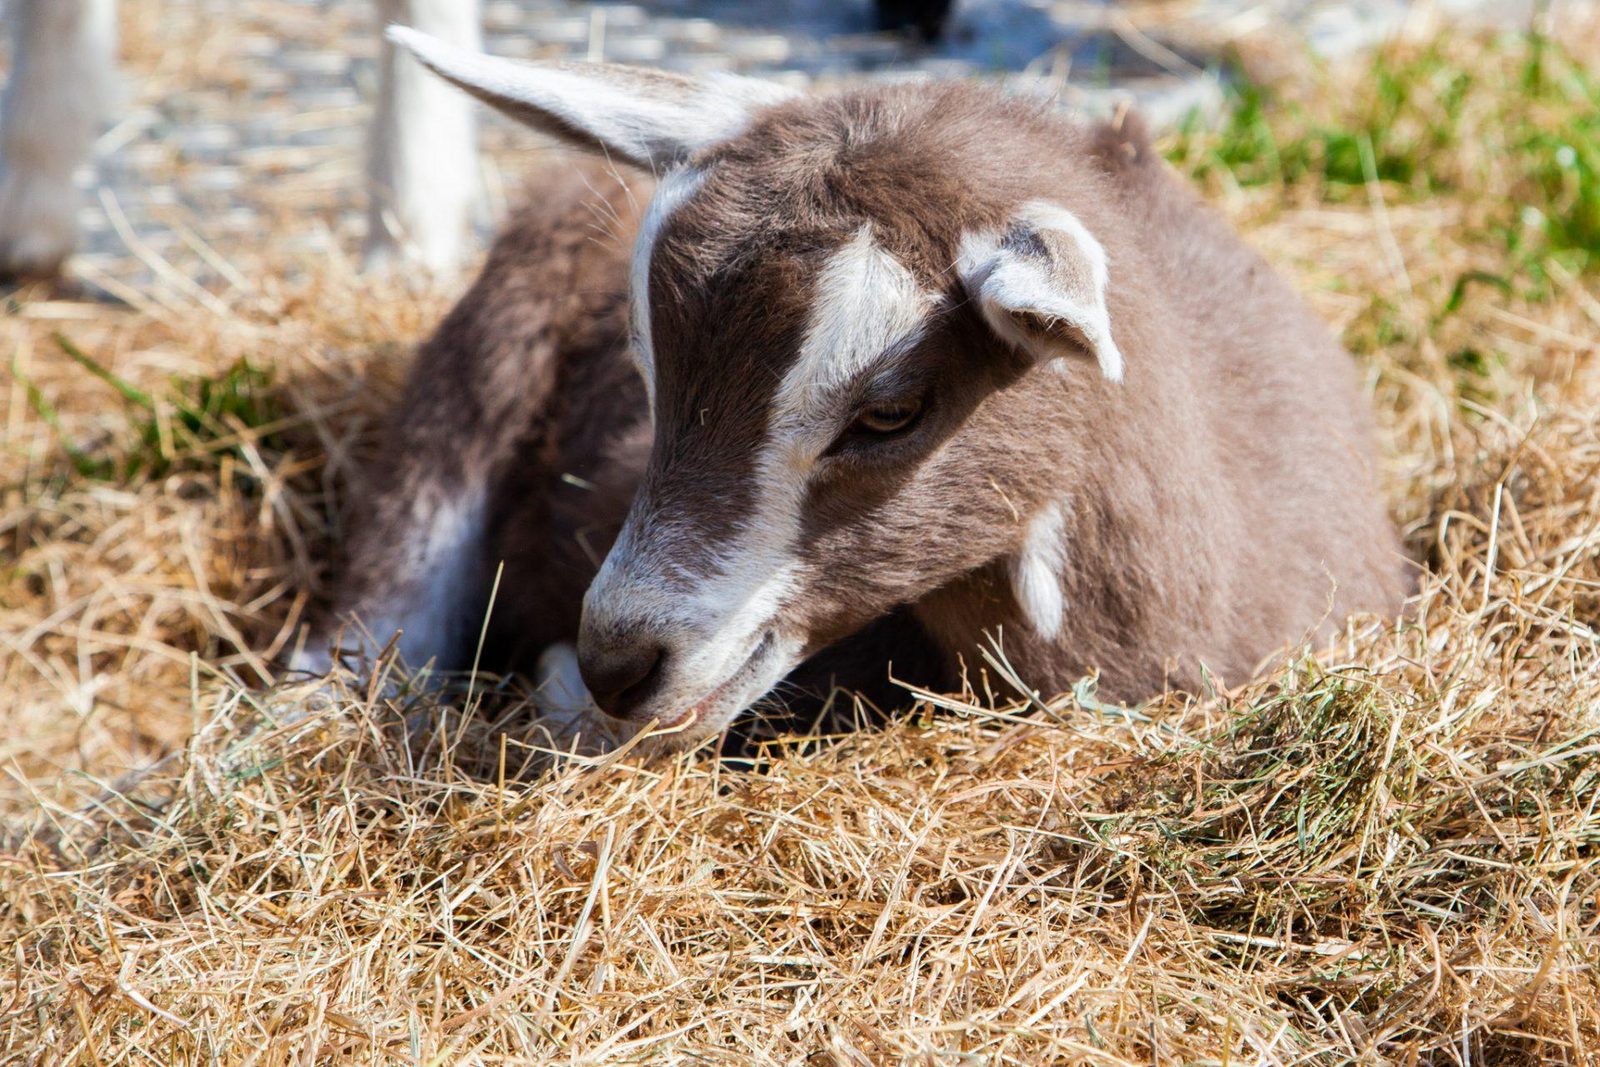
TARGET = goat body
(928,359)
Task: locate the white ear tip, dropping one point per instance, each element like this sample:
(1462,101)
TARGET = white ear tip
(405,36)
(1110,360)
(428,49)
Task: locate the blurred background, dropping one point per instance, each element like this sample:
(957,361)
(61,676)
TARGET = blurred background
(242,122)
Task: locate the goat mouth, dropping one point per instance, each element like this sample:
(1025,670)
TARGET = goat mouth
(739,679)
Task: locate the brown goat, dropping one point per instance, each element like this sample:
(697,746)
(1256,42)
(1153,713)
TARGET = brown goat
(928,361)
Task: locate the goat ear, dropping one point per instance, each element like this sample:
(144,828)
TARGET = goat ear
(1041,286)
(646,117)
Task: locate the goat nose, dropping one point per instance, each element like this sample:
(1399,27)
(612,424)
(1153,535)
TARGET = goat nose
(622,678)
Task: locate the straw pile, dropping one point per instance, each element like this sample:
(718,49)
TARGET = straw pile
(1386,853)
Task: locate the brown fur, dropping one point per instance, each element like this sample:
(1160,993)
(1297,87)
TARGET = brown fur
(522,390)
(1220,501)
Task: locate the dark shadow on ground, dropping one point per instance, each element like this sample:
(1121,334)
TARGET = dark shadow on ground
(838,37)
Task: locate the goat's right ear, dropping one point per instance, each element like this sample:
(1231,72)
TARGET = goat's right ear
(1041,286)
(650,118)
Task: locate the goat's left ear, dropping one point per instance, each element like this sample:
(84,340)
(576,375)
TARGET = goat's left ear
(1041,286)
(650,118)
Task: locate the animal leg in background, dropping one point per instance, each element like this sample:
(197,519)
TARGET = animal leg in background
(479,466)
(416,552)
(60,88)
(422,164)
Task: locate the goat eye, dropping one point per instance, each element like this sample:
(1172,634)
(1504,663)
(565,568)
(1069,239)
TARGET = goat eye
(886,420)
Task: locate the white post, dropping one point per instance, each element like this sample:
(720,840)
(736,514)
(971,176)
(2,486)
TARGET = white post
(62,75)
(423,159)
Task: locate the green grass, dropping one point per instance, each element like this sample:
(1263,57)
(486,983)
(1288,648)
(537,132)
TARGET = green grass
(1333,808)
(1518,122)
(191,425)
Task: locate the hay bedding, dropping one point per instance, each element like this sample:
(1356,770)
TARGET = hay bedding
(1386,854)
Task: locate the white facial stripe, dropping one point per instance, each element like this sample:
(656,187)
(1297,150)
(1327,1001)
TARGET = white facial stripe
(866,303)
(1037,569)
(744,590)
(675,190)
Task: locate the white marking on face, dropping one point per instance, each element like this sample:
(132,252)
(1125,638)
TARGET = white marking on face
(1005,282)
(1037,569)
(726,610)
(866,303)
(675,190)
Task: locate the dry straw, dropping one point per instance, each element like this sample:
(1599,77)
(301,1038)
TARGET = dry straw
(1387,853)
